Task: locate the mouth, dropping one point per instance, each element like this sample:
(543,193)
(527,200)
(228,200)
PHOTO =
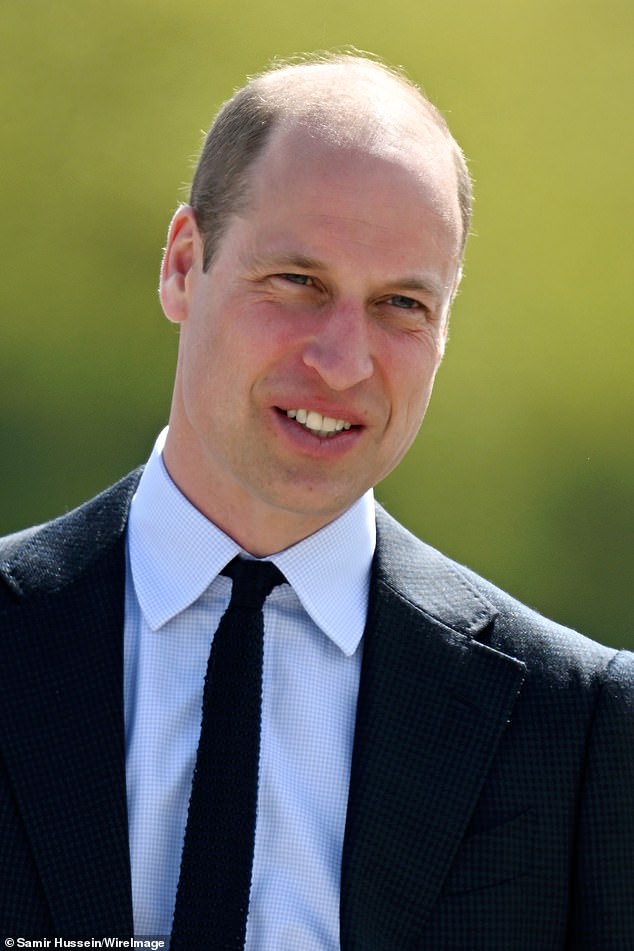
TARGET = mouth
(325,427)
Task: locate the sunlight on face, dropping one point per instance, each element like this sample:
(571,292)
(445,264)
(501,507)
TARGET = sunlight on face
(308,350)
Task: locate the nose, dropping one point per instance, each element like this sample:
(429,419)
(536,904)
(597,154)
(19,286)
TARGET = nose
(339,351)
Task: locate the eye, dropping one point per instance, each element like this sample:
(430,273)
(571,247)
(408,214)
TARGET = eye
(303,280)
(403,303)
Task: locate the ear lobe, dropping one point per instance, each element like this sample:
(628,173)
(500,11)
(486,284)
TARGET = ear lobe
(182,251)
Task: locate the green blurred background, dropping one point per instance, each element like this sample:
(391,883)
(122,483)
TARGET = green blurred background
(524,468)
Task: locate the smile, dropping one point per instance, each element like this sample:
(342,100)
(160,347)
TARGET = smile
(322,426)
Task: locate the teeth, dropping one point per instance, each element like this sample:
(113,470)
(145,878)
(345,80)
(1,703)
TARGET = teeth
(315,421)
(321,425)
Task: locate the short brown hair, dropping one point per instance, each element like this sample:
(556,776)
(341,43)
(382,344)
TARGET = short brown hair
(243,125)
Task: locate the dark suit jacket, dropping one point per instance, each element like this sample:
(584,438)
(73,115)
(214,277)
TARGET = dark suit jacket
(492,790)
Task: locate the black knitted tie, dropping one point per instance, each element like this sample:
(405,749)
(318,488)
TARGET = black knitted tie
(212,899)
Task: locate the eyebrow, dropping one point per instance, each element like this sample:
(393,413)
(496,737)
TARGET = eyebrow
(425,285)
(262,262)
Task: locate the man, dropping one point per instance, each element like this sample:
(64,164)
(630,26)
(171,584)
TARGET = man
(439,767)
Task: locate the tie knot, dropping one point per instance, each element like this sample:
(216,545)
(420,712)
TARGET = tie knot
(253,581)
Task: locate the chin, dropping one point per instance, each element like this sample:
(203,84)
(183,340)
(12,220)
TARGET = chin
(314,504)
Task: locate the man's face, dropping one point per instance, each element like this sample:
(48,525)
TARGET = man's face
(308,350)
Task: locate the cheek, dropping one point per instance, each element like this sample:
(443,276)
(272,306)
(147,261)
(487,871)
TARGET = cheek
(412,373)
(409,365)
(206,373)
(226,368)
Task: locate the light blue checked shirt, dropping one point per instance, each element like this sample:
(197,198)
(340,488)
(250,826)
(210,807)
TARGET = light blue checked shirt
(175,598)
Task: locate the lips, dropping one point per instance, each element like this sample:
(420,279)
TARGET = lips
(322,426)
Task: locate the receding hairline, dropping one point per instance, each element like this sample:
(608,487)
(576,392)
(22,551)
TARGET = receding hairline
(347,98)
(343,98)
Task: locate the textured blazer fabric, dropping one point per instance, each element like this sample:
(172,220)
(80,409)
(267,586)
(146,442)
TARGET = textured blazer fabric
(491,802)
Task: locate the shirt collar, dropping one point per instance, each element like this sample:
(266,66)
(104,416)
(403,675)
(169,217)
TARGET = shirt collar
(176,552)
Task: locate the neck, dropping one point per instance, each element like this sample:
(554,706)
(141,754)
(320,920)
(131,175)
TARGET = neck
(259,529)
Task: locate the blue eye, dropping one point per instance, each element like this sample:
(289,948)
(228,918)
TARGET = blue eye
(405,303)
(302,279)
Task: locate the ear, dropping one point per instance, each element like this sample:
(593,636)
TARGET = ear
(183,254)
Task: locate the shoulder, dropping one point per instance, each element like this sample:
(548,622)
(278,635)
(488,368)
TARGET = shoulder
(551,652)
(45,558)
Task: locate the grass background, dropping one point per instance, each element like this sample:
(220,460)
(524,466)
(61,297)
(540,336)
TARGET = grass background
(524,467)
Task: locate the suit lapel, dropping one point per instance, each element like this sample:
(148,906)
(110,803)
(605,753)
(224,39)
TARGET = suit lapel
(433,704)
(63,738)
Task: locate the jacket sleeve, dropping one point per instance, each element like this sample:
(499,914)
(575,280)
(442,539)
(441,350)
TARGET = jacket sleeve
(603,889)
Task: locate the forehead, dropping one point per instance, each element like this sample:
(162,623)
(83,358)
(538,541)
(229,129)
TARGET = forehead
(304,173)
